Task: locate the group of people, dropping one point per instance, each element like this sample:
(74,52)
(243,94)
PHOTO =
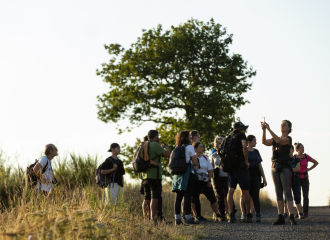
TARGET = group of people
(204,176)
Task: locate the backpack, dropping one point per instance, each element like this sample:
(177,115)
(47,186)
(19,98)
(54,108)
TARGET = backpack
(103,180)
(177,163)
(227,154)
(139,163)
(31,178)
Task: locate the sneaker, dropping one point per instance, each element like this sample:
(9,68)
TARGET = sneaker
(249,218)
(305,214)
(301,216)
(201,219)
(232,218)
(280,220)
(191,221)
(292,220)
(258,217)
(227,215)
(178,222)
(243,218)
(285,215)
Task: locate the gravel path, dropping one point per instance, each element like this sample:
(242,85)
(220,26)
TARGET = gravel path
(316,226)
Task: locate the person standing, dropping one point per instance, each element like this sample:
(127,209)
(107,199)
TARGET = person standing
(152,178)
(183,184)
(220,138)
(256,172)
(203,184)
(113,168)
(303,174)
(295,186)
(241,174)
(281,167)
(45,184)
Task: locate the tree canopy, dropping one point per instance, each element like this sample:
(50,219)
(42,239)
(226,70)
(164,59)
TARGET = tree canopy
(182,78)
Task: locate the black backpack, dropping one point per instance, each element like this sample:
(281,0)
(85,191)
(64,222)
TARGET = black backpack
(31,178)
(103,180)
(227,154)
(177,163)
(138,162)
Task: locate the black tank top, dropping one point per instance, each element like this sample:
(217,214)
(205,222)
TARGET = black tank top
(282,150)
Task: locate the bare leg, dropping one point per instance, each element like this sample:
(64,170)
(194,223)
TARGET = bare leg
(231,200)
(247,197)
(280,207)
(193,208)
(145,208)
(215,208)
(153,206)
(251,205)
(286,207)
(290,206)
(241,204)
(299,208)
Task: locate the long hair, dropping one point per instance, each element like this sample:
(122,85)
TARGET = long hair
(182,138)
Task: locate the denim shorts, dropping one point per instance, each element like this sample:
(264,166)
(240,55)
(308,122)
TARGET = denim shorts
(240,177)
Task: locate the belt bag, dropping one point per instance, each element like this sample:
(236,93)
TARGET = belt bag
(203,177)
(281,162)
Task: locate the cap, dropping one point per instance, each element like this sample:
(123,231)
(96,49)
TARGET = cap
(240,125)
(113,145)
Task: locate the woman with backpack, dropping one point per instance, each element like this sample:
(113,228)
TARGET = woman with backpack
(281,167)
(220,180)
(203,184)
(295,186)
(183,184)
(256,172)
(303,173)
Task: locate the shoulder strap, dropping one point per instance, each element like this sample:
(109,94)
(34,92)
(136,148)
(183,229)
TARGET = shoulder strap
(205,157)
(306,157)
(45,167)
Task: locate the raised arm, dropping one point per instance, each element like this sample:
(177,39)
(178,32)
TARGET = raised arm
(281,141)
(267,142)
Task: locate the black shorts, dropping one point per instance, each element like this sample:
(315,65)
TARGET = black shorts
(201,188)
(152,188)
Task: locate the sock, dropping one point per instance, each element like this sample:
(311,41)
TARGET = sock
(177,216)
(188,216)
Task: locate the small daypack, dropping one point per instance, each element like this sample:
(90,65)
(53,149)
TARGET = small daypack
(31,179)
(103,180)
(141,160)
(227,154)
(177,163)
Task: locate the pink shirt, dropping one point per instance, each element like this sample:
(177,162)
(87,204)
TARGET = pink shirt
(303,165)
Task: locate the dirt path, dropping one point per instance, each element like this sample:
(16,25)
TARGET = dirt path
(316,226)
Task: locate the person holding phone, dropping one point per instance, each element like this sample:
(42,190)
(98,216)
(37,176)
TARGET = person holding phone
(281,167)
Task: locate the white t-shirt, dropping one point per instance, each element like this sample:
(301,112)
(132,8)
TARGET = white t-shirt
(190,151)
(48,174)
(204,166)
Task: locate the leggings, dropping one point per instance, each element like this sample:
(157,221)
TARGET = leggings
(304,183)
(255,182)
(186,195)
(201,188)
(220,186)
(282,184)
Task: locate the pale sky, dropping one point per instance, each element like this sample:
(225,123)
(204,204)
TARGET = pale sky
(49,52)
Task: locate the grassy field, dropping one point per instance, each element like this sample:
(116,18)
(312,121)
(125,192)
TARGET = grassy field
(76,209)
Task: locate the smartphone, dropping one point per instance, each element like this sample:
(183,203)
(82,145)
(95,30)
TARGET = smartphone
(263,119)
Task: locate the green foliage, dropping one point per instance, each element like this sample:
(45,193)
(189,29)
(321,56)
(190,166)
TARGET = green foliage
(183,78)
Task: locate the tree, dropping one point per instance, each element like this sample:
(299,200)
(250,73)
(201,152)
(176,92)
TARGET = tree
(183,78)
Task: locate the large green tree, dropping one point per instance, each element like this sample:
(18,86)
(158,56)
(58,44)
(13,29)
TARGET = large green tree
(182,78)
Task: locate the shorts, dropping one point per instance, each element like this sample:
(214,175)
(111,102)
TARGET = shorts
(113,193)
(152,188)
(240,177)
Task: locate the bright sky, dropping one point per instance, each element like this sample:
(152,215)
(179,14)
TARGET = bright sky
(50,50)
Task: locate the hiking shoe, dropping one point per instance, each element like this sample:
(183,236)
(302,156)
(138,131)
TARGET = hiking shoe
(249,218)
(305,214)
(285,215)
(223,218)
(191,221)
(258,217)
(280,220)
(227,215)
(178,222)
(292,220)
(301,216)
(243,218)
(232,218)
(201,219)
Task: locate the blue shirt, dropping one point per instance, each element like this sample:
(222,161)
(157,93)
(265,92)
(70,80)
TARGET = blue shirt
(254,158)
(294,163)
(213,151)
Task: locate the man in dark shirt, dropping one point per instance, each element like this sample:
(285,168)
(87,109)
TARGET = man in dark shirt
(241,174)
(114,170)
